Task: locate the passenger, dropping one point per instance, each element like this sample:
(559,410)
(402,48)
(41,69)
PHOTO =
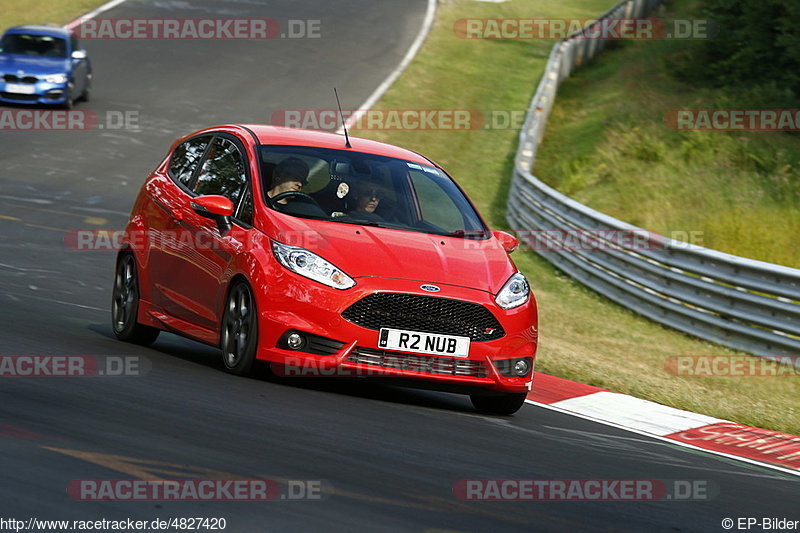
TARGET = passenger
(367,197)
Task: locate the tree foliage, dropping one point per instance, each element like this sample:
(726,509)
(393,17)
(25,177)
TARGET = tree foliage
(756,48)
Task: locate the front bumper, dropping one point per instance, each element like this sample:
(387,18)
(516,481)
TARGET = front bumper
(298,305)
(43,93)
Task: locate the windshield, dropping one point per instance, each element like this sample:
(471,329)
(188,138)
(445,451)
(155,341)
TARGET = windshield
(355,188)
(33,45)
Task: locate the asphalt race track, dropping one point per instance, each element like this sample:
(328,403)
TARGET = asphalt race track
(387,458)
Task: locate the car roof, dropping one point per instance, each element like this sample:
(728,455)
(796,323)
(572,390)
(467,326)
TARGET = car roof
(322,139)
(56,31)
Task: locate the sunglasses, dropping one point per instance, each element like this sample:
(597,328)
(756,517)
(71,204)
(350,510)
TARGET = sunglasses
(373,193)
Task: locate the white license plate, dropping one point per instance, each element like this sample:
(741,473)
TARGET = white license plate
(19,88)
(430,343)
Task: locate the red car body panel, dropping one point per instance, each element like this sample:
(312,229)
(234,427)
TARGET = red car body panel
(183,286)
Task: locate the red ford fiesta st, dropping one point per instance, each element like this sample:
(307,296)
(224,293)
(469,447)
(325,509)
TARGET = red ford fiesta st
(326,257)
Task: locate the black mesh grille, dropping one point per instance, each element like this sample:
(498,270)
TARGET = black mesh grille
(427,314)
(418,363)
(11,78)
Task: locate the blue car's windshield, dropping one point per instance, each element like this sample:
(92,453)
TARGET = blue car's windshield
(356,188)
(33,45)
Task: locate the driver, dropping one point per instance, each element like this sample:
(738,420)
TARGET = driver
(291,174)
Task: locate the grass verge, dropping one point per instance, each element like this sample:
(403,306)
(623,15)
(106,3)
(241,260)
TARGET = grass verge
(608,146)
(44,11)
(583,337)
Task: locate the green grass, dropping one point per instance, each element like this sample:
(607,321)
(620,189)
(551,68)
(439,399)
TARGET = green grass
(582,335)
(607,145)
(44,11)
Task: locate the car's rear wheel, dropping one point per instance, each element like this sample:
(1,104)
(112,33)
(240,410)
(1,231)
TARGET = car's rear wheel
(239,334)
(503,404)
(125,304)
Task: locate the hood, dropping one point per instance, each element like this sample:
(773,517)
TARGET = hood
(33,66)
(364,251)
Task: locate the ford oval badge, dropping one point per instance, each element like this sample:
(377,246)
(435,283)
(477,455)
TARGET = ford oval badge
(430,288)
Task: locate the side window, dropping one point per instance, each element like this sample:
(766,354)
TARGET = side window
(185,159)
(222,171)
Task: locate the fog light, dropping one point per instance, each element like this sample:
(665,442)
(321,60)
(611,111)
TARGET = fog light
(295,341)
(522,367)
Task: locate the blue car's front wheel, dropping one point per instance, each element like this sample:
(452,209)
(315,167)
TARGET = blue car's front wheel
(84,97)
(69,101)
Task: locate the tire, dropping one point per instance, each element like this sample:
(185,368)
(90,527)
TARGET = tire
(238,338)
(87,91)
(69,103)
(125,304)
(505,404)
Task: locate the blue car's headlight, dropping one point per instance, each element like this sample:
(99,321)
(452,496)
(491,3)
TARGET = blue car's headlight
(55,78)
(310,265)
(514,293)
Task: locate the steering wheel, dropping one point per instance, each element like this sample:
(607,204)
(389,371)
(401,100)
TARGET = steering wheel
(299,195)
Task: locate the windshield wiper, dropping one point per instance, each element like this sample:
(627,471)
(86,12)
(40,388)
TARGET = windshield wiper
(478,235)
(375,224)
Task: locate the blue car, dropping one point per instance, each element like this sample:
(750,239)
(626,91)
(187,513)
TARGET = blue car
(43,65)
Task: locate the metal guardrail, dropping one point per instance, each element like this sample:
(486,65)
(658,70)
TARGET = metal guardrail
(749,305)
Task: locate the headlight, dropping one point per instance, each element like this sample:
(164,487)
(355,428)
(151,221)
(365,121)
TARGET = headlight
(514,293)
(55,78)
(311,265)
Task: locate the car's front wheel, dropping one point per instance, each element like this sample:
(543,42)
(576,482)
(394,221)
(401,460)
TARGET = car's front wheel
(69,101)
(239,334)
(125,304)
(87,90)
(503,404)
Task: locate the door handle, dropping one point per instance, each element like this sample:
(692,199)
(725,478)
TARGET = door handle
(177,215)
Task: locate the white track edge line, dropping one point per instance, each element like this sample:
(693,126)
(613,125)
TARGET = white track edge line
(392,77)
(665,439)
(93,13)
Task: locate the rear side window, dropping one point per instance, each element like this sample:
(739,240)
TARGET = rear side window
(222,171)
(185,158)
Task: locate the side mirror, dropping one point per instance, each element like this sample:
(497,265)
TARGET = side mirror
(216,207)
(507,241)
(79,54)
